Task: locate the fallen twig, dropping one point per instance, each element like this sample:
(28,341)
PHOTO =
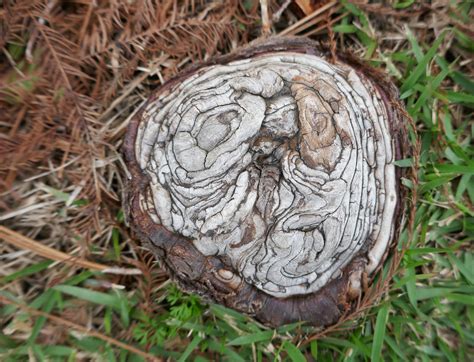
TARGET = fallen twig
(296,27)
(23,242)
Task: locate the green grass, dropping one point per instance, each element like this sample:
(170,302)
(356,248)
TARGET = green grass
(428,313)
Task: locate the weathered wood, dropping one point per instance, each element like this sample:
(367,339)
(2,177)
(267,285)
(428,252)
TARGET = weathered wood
(265,179)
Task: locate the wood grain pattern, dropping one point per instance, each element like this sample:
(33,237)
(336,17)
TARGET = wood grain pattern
(268,176)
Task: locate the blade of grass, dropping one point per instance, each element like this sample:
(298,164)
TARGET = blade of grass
(90,295)
(190,348)
(379,333)
(420,69)
(27,271)
(252,338)
(293,352)
(40,321)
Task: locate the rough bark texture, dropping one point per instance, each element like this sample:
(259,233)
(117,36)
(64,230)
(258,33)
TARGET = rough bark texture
(264,180)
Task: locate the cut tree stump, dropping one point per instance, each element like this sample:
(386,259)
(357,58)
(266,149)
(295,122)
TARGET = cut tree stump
(264,180)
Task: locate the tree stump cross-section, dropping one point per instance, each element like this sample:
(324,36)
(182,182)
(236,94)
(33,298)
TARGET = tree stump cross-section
(265,179)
